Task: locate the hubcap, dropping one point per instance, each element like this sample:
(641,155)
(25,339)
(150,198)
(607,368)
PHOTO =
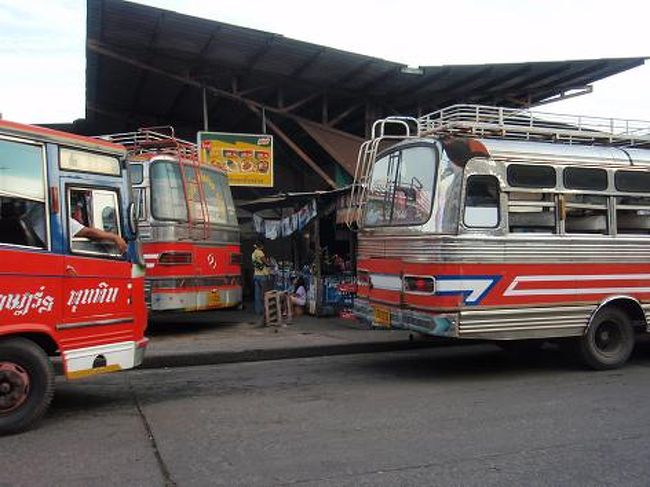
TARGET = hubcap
(14,386)
(608,337)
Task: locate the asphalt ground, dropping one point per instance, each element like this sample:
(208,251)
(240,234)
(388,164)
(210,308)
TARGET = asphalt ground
(440,416)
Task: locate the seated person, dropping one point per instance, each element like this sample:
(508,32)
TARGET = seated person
(299,296)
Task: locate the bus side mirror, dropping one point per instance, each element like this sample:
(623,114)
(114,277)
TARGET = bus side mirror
(133,219)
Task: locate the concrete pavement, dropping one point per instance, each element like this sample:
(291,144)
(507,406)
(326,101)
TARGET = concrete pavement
(236,336)
(470,416)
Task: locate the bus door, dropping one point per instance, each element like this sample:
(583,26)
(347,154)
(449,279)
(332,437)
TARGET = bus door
(98,289)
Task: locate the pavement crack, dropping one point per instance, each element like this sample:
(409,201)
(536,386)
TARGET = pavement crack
(164,470)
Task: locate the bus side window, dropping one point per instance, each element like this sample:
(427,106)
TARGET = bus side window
(22,195)
(97,209)
(482,202)
(531,212)
(586,214)
(633,215)
(139,198)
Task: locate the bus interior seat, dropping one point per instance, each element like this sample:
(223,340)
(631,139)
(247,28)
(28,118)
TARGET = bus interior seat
(15,229)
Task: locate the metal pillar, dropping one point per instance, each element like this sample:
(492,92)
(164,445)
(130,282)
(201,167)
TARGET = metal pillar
(205,109)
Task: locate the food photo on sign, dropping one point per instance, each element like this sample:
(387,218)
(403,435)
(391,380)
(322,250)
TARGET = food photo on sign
(247,159)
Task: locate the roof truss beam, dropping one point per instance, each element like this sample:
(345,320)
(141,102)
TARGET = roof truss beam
(308,64)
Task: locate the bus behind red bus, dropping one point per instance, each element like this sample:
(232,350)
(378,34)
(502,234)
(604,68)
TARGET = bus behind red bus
(187,221)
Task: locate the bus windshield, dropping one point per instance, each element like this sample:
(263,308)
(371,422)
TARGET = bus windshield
(221,208)
(168,201)
(167,195)
(401,188)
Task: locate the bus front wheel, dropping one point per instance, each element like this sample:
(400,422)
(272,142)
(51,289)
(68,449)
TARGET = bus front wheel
(26,384)
(609,340)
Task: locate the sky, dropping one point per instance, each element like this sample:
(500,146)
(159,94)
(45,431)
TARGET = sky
(42,54)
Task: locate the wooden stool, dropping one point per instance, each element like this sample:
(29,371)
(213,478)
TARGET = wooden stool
(277,308)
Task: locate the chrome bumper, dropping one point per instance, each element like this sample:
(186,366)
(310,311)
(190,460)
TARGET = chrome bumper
(443,325)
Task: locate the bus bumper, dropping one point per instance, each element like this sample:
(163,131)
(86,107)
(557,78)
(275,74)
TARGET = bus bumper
(113,357)
(381,317)
(162,300)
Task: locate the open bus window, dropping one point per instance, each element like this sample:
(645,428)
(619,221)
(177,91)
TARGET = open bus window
(531,212)
(482,202)
(22,222)
(633,215)
(401,188)
(22,195)
(586,214)
(93,208)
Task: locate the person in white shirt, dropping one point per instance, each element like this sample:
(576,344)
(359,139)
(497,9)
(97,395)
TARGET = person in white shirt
(79,230)
(299,295)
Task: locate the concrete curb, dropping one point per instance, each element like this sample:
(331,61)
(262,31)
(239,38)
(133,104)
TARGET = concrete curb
(188,359)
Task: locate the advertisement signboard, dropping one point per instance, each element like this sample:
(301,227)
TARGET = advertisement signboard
(246,158)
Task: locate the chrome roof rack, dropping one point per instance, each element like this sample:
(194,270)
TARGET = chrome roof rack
(524,124)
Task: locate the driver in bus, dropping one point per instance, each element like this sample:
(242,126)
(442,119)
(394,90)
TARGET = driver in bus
(95,234)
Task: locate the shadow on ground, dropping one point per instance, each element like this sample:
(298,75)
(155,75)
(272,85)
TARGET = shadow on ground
(198,321)
(489,361)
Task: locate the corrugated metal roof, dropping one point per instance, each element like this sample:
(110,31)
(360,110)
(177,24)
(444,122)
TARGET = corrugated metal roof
(126,39)
(147,66)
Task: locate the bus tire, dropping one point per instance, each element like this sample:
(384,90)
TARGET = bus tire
(26,384)
(609,340)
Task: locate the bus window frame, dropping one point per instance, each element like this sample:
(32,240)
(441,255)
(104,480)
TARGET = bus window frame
(616,207)
(182,180)
(586,206)
(554,203)
(46,195)
(474,228)
(222,189)
(120,160)
(628,192)
(141,202)
(611,194)
(141,166)
(401,147)
(512,165)
(103,255)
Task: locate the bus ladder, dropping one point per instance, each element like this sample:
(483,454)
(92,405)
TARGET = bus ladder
(184,150)
(190,204)
(366,158)
(163,140)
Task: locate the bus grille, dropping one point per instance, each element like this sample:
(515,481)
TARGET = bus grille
(147,293)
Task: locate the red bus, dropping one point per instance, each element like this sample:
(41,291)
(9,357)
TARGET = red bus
(63,294)
(187,221)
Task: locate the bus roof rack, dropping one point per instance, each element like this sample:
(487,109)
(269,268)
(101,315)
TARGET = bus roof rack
(154,140)
(524,124)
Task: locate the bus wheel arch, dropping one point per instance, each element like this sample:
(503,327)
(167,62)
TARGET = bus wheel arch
(26,383)
(608,340)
